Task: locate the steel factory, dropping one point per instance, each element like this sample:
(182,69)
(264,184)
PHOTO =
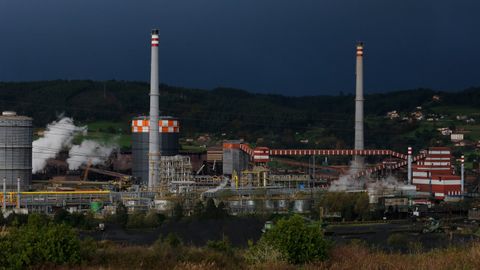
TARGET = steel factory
(236,173)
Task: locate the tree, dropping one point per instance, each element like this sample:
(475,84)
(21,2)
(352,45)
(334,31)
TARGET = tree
(136,220)
(173,240)
(361,207)
(153,219)
(210,209)
(2,219)
(61,216)
(177,212)
(297,242)
(198,209)
(38,243)
(223,245)
(121,214)
(222,210)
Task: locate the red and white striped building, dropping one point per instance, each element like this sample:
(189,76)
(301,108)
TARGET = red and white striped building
(261,154)
(435,174)
(166,125)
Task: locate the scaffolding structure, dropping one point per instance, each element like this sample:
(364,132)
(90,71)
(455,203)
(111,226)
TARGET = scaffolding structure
(175,173)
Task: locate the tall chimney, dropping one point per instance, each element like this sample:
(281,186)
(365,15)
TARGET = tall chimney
(4,195)
(359,145)
(154,146)
(409,164)
(462,174)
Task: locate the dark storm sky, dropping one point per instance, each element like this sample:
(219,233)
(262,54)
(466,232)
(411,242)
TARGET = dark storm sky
(292,47)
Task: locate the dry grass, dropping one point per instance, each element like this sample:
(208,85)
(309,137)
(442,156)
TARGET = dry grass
(160,256)
(353,256)
(359,257)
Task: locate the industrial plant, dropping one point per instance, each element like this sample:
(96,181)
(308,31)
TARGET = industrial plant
(237,172)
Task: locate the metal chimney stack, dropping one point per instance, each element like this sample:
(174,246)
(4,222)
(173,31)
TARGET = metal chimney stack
(154,146)
(409,165)
(359,142)
(462,174)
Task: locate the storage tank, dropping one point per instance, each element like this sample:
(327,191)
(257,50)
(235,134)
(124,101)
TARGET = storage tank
(169,129)
(16,135)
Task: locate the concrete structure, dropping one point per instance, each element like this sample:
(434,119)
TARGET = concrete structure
(15,150)
(359,140)
(154,146)
(234,159)
(435,174)
(168,136)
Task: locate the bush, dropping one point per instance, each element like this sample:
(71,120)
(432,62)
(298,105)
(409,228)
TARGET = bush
(61,216)
(211,210)
(39,243)
(153,219)
(16,219)
(263,253)
(198,210)
(296,241)
(397,241)
(223,245)
(76,220)
(173,240)
(136,220)
(351,205)
(121,214)
(177,212)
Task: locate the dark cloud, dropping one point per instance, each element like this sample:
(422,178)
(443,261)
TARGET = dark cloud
(299,47)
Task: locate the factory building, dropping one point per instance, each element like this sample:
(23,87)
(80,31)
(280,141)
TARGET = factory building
(435,174)
(15,150)
(168,134)
(234,159)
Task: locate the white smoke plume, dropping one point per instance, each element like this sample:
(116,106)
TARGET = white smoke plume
(57,135)
(348,183)
(88,152)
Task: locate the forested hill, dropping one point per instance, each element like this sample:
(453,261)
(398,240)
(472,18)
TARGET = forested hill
(221,110)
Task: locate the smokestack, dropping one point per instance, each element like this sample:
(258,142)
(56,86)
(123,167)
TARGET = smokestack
(154,146)
(462,174)
(4,195)
(18,192)
(409,161)
(359,142)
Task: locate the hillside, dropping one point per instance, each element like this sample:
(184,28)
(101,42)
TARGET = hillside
(326,121)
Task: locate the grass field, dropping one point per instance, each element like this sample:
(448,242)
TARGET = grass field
(116,133)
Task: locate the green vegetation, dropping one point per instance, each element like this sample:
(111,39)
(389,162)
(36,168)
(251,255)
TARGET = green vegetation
(39,242)
(77,220)
(397,241)
(351,206)
(271,120)
(295,241)
(210,211)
